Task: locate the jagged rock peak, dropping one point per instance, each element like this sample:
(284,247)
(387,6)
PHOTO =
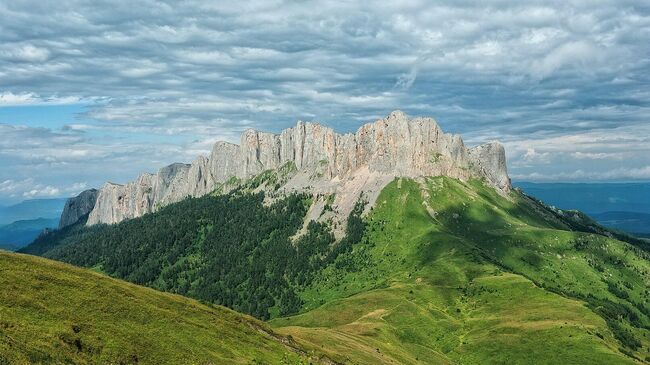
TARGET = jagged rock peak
(325,161)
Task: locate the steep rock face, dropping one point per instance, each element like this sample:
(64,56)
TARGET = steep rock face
(77,207)
(490,161)
(345,164)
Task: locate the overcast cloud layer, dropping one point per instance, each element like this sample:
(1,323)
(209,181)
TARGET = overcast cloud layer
(93,91)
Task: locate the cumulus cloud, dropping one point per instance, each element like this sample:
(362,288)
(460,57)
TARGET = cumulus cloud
(544,76)
(30,189)
(533,156)
(41,191)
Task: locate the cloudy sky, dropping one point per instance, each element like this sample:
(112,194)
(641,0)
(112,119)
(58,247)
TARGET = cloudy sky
(93,91)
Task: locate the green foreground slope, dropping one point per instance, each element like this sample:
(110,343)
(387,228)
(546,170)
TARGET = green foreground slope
(452,272)
(53,313)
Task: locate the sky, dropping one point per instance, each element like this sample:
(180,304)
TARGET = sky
(95,91)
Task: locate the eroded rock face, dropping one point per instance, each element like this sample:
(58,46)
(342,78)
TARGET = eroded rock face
(77,207)
(490,162)
(345,164)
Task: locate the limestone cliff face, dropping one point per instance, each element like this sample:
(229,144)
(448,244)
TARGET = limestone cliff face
(368,159)
(77,207)
(489,160)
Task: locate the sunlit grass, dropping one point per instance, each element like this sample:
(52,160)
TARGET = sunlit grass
(53,313)
(454,280)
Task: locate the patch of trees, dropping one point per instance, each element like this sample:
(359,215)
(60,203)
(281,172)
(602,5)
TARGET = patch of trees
(614,313)
(353,234)
(617,290)
(532,259)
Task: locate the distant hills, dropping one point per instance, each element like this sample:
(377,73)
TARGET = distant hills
(21,223)
(32,209)
(635,223)
(622,206)
(20,233)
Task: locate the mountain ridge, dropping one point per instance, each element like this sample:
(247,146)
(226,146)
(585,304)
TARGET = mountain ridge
(319,159)
(31,209)
(22,232)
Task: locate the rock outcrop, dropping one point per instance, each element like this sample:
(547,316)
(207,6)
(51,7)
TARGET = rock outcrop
(326,162)
(490,161)
(78,207)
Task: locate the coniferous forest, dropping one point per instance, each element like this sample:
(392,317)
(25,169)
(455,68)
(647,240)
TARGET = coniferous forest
(230,249)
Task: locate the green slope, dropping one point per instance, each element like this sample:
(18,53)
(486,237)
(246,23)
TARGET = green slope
(53,313)
(446,272)
(439,271)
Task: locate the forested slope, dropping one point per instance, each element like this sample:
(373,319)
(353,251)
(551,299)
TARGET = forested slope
(439,271)
(226,249)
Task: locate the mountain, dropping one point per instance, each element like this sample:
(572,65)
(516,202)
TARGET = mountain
(593,198)
(21,233)
(323,162)
(635,223)
(53,313)
(31,209)
(408,249)
(77,207)
(621,206)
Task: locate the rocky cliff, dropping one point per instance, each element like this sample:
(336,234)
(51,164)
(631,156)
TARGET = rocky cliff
(346,165)
(78,207)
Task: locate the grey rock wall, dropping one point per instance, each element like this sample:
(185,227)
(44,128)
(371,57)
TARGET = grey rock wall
(390,147)
(77,207)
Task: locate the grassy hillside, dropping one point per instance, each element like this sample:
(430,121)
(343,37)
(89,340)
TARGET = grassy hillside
(53,313)
(452,272)
(439,271)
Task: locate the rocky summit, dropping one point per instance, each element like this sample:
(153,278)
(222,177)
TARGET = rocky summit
(314,158)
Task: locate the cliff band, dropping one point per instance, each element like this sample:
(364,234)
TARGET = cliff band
(322,162)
